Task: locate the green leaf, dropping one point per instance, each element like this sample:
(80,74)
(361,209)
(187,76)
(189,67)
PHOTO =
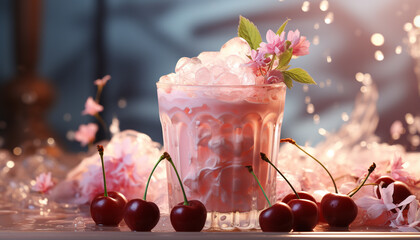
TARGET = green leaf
(282,27)
(248,31)
(288,81)
(285,58)
(300,75)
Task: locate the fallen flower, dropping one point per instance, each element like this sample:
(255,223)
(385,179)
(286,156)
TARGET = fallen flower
(43,183)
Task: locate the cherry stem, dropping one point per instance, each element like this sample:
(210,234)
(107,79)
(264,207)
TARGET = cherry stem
(253,174)
(150,176)
(101,154)
(265,158)
(370,170)
(168,157)
(290,140)
(367,184)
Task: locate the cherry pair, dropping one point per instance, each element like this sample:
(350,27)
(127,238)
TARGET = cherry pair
(187,216)
(140,215)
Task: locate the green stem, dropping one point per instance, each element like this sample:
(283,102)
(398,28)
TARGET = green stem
(289,140)
(367,184)
(371,168)
(101,154)
(168,157)
(265,158)
(150,176)
(253,174)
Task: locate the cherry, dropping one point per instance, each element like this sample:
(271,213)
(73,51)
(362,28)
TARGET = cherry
(305,212)
(107,209)
(187,216)
(338,210)
(302,195)
(401,190)
(141,215)
(275,218)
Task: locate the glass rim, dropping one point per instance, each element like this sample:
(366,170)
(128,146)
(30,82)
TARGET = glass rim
(271,85)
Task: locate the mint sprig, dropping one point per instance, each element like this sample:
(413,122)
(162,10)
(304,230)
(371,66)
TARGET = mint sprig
(299,75)
(248,31)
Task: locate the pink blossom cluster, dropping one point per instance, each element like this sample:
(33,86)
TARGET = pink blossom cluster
(266,58)
(87,132)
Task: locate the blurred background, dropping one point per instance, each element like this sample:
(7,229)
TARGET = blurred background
(51,52)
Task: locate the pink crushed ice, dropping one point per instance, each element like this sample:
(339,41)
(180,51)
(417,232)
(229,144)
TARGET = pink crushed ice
(226,67)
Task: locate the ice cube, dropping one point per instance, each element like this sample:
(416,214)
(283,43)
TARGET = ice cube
(203,76)
(181,62)
(236,46)
(170,78)
(228,78)
(208,57)
(217,70)
(234,62)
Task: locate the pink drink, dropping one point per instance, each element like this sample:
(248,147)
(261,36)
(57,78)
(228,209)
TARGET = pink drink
(212,132)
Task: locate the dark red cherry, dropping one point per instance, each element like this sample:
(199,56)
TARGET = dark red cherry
(302,195)
(108,211)
(401,190)
(141,215)
(188,218)
(305,214)
(277,218)
(338,210)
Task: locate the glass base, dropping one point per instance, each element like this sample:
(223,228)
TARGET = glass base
(217,221)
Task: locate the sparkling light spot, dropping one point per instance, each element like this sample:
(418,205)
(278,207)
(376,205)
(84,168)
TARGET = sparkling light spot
(316,118)
(17,151)
(10,164)
(330,153)
(359,77)
(408,26)
(398,49)
(379,56)
(329,59)
(305,88)
(415,140)
(122,103)
(305,6)
(315,40)
(310,108)
(329,18)
(307,99)
(322,132)
(358,32)
(324,5)
(321,85)
(377,39)
(50,141)
(416,21)
(409,119)
(363,89)
(70,135)
(67,117)
(344,116)
(328,82)
(363,144)
(316,26)
(412,39)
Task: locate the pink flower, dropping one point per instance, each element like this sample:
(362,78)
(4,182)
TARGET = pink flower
(412,222)
(43,183)
(92,107)
(376,207)
(274,76)
(103,81)
(86,133)
(258,59)
(274,45)
(299,44)
(398,172)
